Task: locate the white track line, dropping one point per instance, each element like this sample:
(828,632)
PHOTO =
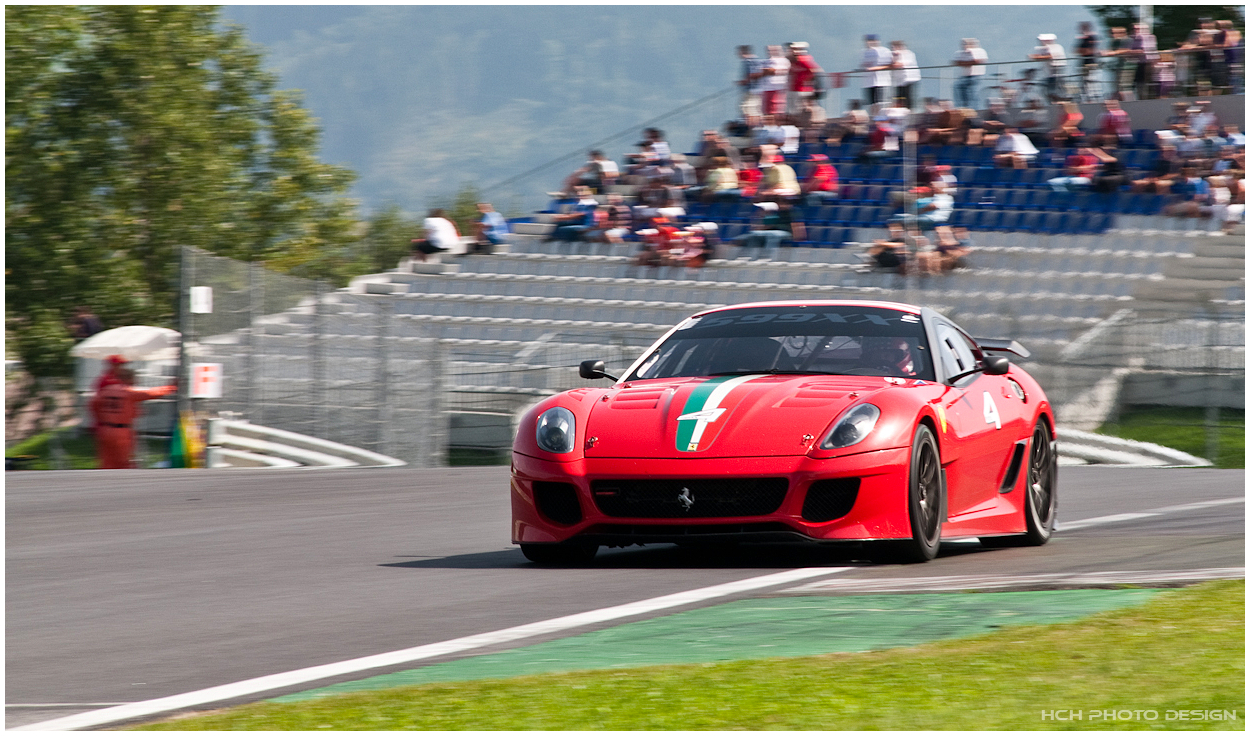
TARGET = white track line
(1113,518)
(1043,580)
(503,636)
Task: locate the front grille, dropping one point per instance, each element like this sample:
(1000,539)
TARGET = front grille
(558,502)
(830,499)
(616,534)
(690,498)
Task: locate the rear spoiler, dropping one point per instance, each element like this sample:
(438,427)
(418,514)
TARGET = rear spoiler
(1002,345)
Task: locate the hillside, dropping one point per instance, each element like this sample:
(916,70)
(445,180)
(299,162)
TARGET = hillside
(420,100)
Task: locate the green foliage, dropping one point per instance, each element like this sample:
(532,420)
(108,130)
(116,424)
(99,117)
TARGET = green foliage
(1183,650)
(1172,23)
(463,209)
(131,131)
(388,237)
(1185,428)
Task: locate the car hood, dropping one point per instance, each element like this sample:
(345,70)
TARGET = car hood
(722,416)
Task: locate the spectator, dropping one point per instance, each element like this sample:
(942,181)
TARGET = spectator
(1165,73)
(1201,118)
(1050,52)
(906,73)
(891,252)
(1234,136)
(659,146)
(491,229)
(972,59)
(852,126)
(1230,161)
(441,235)
(1165,172)
(821,184)
(994,122)
(933,208)
(1114,124)
(1014,150)
(721,182)
(803,79)
(769,133)
(1086,49)
(1110,176)
(790,136)
(656,240)
(598,173)
(1067,131)
(683,176)
(749,176)
(954,245)
(1192,194)
(1233,51)
(946,123)
(778,181)
(774,225)
(572,224)
(1145,53)
(752,83)
(615,226)
(85,324)
(877,61)
(776,80)
(1078,171)
(1119,50)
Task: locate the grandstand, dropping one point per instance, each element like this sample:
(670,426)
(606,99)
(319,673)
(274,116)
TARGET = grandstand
(1101,289)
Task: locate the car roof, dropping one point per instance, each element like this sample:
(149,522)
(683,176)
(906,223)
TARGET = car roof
(818,303)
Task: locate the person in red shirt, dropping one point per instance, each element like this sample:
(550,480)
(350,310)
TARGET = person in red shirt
(821,184)
(115,407)
(803,71)
(1079,169)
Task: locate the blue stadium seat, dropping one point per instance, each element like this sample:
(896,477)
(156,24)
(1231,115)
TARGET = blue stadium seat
(1052,201)
(989,220)
(874,194)
(1030,222)
(1010,220)
(979,155)
(1010,177)
(849,192)
(1019,199)
(964,174)
(1076,223)
(1098,223)
(1144,137)
(1054,223)
(1036,177)
(817,235)
(1082,202)
(822,214)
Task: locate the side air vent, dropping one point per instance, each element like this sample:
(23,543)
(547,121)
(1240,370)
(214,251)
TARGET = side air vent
(1013,470)
(558,502)
(830,499)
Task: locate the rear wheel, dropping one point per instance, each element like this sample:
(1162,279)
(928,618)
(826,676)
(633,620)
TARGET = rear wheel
(926,505)
(1040,499)
(564,553)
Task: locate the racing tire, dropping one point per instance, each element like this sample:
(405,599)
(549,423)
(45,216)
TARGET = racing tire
(562,554)
(1040,497)
(926,505)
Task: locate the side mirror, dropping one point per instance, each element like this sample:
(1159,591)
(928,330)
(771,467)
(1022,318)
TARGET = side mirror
(996,365)
(593,369)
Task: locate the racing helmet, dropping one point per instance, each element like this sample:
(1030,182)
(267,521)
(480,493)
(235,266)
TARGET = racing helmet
(892,352)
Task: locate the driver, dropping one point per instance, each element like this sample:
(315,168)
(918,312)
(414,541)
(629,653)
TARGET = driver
(889,352)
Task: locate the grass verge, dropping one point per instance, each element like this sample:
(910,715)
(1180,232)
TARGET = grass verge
(1184,429)
(37,450)
(1184,650)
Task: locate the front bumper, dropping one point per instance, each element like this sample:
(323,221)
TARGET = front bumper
(879,510)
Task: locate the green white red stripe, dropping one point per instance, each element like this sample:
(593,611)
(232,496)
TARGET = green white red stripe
(705,405)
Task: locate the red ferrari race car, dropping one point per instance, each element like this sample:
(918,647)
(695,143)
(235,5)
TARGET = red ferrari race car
(877,423)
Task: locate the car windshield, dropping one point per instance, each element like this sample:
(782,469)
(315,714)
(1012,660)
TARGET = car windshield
(835,340)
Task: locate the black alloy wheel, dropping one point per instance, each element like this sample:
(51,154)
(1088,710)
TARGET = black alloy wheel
(1040,497)
(926,505)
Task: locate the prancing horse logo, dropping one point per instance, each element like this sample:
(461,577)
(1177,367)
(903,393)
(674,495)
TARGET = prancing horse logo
(686,498)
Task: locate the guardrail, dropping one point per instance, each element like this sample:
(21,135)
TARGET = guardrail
(238,444)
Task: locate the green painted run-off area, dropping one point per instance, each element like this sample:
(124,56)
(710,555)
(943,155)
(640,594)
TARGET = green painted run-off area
(767,627)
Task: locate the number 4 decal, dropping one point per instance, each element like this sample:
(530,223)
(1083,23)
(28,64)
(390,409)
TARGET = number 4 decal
(991,411)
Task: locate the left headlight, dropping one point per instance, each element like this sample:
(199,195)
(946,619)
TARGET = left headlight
(556,430)
(852,428)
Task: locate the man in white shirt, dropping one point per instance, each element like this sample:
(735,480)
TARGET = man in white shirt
(877,61)
(1014,150)
(972,58)
(1051,52)
(906,72)
(440,236)
(777,79)
(751,83)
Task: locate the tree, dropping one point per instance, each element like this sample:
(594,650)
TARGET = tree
(1172,23)
(131,131)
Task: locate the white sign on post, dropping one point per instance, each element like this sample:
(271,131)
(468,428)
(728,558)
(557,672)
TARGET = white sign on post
(201,300)
(206,380)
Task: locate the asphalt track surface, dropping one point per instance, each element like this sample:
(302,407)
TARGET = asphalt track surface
(124,586)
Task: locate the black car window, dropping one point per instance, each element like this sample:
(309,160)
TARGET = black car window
(844,340)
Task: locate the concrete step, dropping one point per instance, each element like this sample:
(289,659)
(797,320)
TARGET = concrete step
(1234,249)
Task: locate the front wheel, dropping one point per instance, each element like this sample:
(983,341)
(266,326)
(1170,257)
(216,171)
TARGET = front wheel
(926,505)
(565,553)
(1040,497)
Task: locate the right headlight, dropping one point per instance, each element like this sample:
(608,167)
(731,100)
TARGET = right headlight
(556,430)
(852,428)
